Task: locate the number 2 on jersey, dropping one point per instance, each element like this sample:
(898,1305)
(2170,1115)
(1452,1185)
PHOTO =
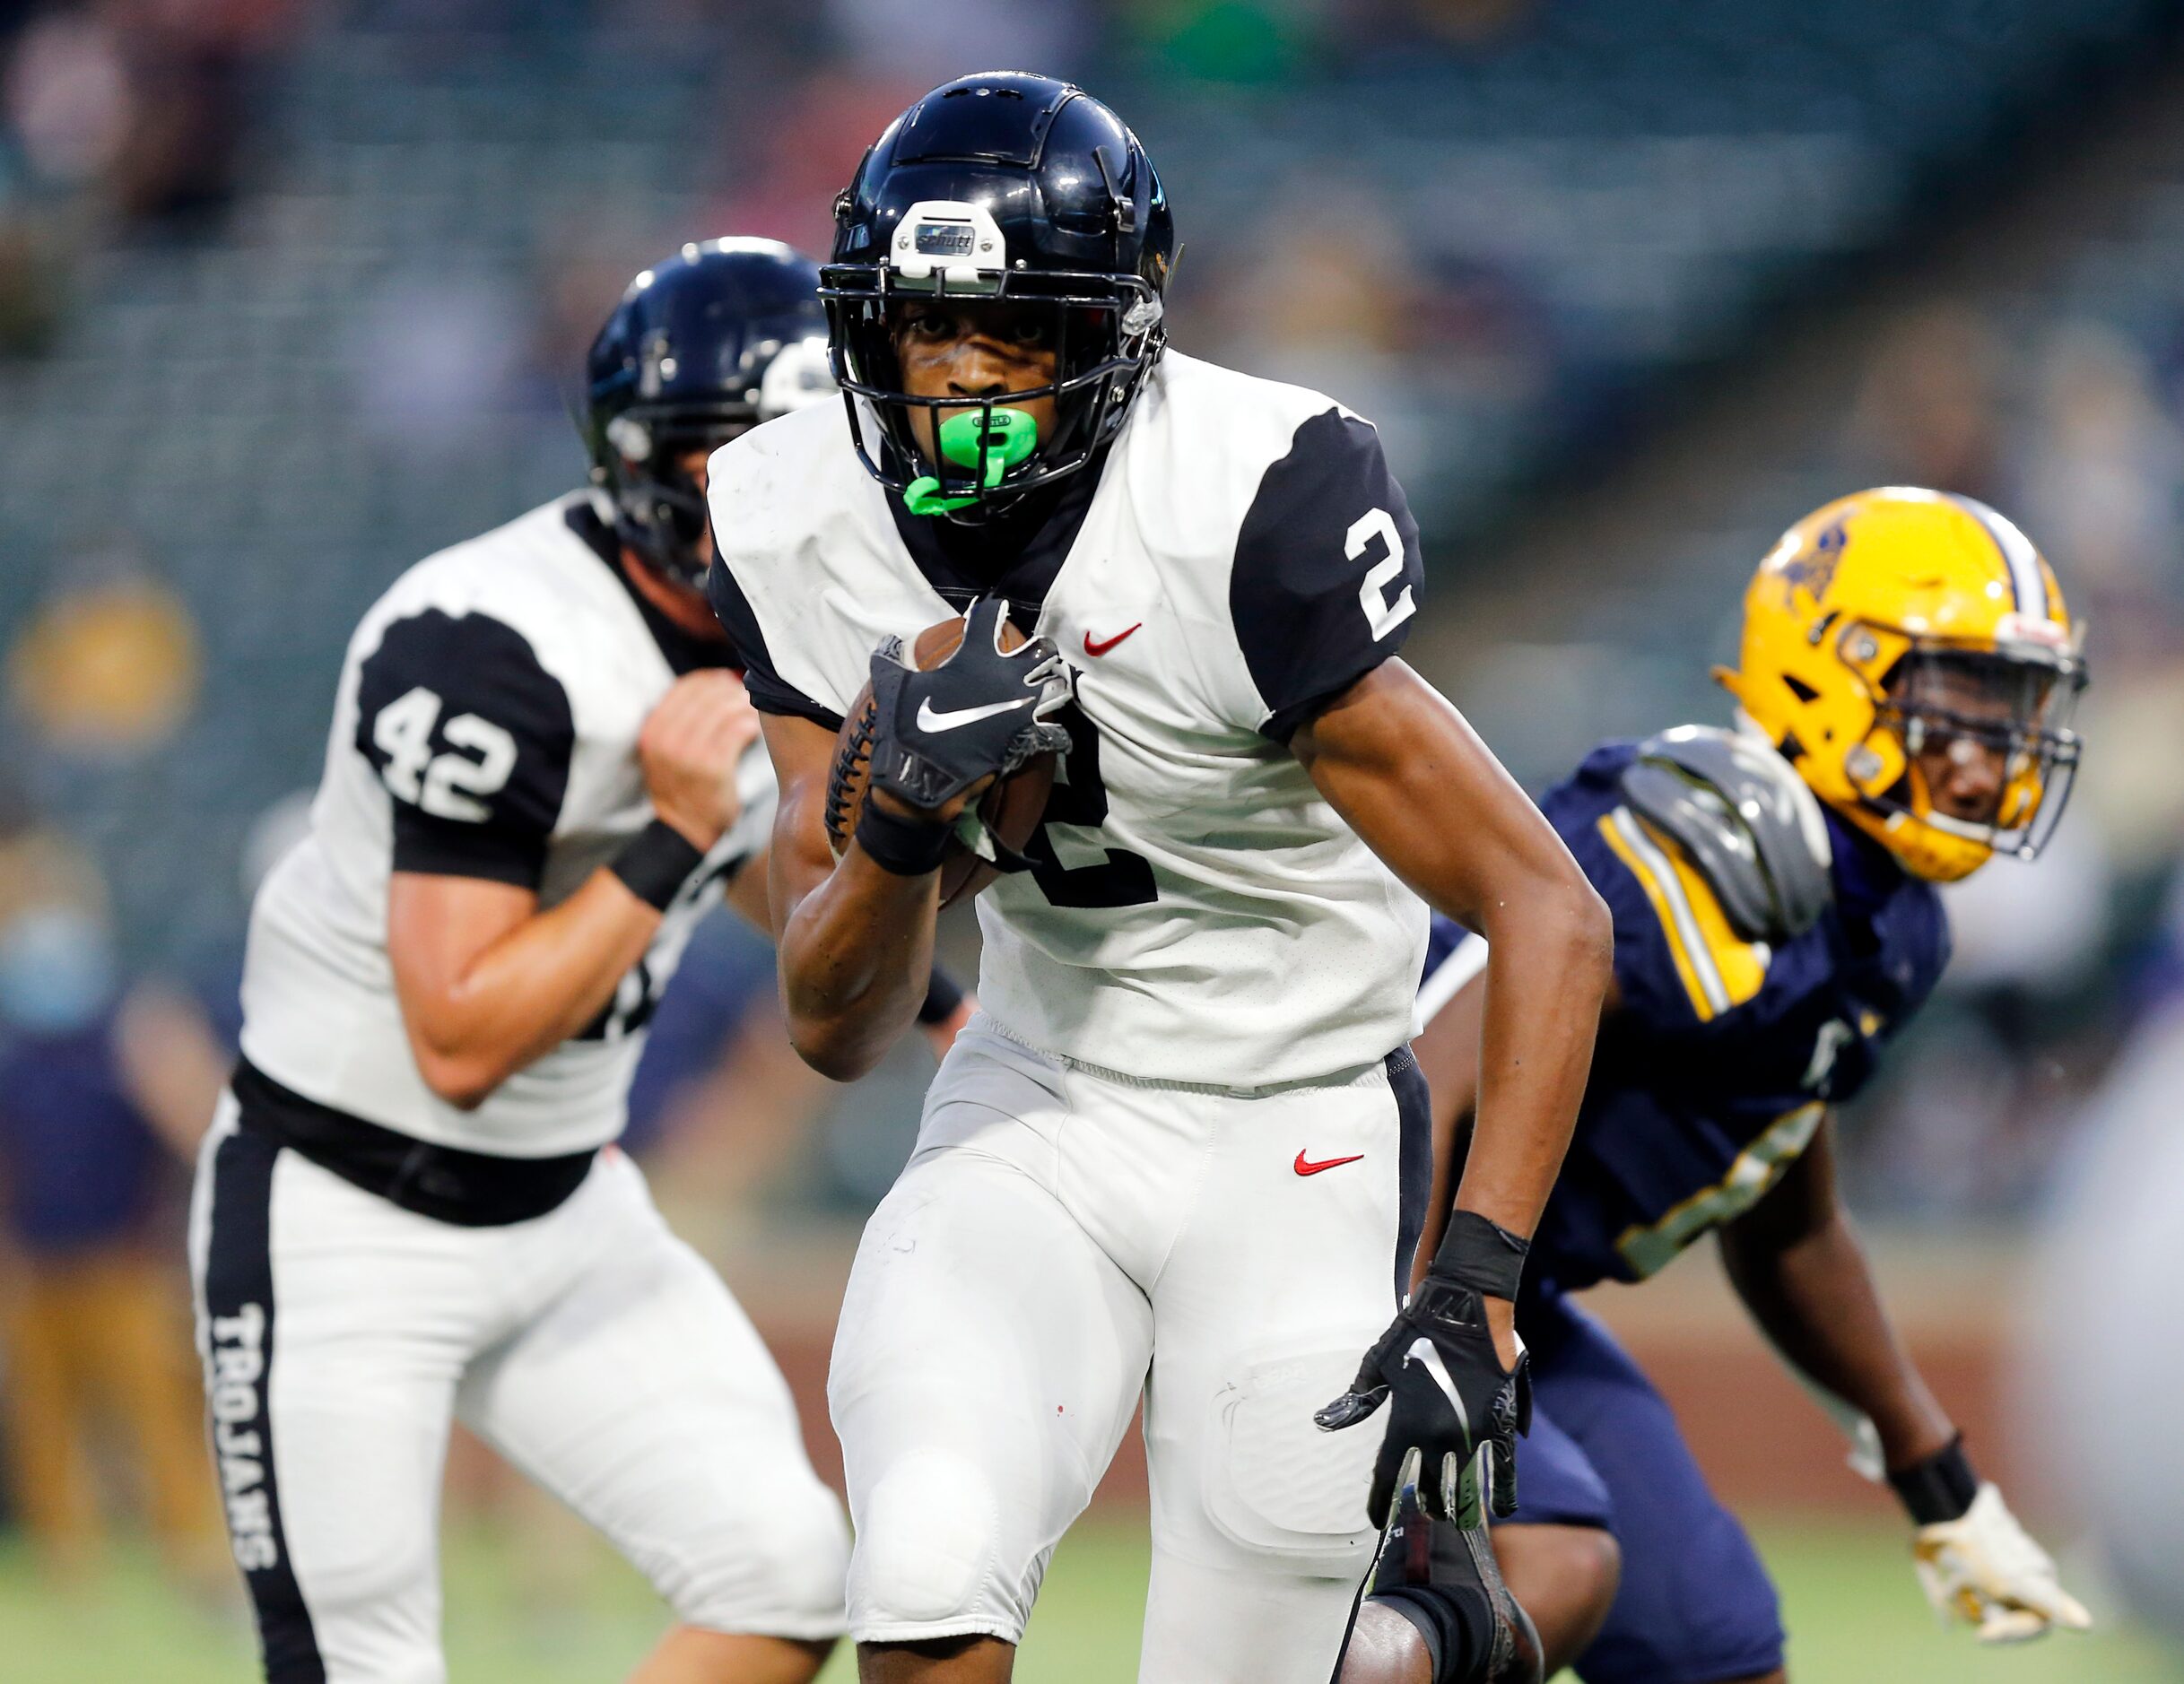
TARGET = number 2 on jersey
(1121,879)
(1382,613)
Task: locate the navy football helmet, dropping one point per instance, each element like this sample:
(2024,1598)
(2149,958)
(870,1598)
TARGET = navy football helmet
(719,337)
(1003,184)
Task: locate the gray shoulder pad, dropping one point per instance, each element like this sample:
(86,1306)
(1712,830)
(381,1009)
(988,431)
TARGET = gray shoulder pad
(1748,821)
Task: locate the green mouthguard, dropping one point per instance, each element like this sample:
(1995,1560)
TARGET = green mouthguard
(1003,437)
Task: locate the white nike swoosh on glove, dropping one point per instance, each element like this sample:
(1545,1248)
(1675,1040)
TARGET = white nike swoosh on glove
(1423,1353)
(930,718)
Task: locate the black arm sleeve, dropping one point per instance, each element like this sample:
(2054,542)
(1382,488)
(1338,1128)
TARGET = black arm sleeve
(1327,573)
(473,738)
(771,693)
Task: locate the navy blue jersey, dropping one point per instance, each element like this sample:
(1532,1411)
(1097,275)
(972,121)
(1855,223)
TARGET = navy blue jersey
(1715,1073)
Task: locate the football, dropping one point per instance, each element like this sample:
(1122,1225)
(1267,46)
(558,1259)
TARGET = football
(1010,810)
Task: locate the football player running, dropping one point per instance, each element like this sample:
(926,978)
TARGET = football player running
(1168,1160)
(543,771)
(1905,689)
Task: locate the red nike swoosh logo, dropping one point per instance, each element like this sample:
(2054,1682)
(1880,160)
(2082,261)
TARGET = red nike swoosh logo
(1305,1167)
(1103,646)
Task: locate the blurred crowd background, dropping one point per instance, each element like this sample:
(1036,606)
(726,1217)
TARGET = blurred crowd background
(293,292)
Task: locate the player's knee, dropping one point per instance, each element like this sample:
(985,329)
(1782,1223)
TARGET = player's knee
(1386,1648)
(779,1572)
(378,1571)
(1565,1577)
(375,1609)
(1573,1571)
(1589,1561)
(812,1561)
(927,1543)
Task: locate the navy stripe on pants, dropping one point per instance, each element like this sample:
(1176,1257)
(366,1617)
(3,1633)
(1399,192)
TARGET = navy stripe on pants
(238,1385)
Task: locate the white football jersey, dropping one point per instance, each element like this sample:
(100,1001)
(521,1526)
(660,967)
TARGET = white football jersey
(485,726)
(1198,913)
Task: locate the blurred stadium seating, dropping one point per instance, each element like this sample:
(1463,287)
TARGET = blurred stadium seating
(1494,242)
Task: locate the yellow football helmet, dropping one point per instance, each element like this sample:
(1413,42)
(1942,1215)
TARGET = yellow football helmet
(1909,652)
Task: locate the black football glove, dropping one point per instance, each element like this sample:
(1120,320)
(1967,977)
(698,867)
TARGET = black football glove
(1456,1407)
(979,713)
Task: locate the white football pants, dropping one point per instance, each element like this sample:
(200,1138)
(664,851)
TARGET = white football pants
(595,1350)
(1064,1238)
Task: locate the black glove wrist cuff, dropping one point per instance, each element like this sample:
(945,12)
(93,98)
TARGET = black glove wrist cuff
(1481,1254)
(943,994)
(1939,1488)
(907,847)
(656,862)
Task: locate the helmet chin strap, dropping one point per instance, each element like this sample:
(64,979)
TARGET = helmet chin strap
(989,441)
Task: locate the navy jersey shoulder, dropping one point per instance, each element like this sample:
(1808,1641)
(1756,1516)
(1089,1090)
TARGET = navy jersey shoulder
(1713,1073)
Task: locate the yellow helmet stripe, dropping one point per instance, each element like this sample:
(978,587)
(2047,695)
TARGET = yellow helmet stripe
(2028,584)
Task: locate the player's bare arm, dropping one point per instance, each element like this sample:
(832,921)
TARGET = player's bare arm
(1448,1054)
(1565,1577)
(1426,795)
(748,896)
(1796,1263)
(857,941)
(1798,1267)
(848,1000)
(1414,781)
(487,981)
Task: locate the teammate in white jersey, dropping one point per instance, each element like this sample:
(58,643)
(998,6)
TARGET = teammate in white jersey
(1168,1160)
(542,770)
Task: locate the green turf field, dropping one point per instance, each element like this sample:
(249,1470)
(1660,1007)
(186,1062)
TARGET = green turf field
(1857,1618)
